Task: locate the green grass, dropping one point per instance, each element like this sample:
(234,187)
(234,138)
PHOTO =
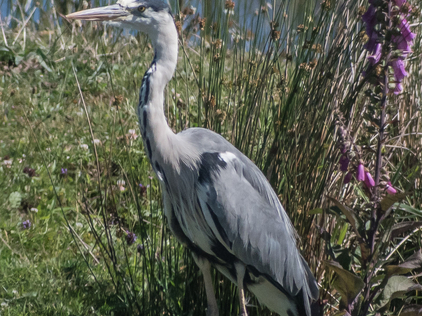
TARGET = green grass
(277,100)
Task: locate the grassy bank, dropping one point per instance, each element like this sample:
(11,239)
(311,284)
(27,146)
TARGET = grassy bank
(76,183)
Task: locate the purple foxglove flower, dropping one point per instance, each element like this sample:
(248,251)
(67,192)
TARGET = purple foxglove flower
(369,181)
(26,224)
(371,44)
(402,44)
(375,58)
(347,178)
(360,173)
(390,189)
(344,163)
(408,35)
(369,16)
(399,3)
(399,71)
(130,238)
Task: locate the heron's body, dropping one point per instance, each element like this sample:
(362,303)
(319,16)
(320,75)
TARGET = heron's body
(217,202)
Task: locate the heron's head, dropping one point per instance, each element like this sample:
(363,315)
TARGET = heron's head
(143,15)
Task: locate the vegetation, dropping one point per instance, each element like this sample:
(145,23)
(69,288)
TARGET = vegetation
(82,229)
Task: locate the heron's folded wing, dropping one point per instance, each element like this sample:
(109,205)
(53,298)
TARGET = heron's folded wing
(246,216)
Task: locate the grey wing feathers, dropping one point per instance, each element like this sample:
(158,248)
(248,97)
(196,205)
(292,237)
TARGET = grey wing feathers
(247,217)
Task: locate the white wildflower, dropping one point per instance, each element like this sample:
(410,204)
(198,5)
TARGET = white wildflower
(96,141)
(8,163)
(132,134)
(33,209)
(121,184)
(84,146)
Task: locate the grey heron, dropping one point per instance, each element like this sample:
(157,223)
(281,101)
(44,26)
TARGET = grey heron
(217,202)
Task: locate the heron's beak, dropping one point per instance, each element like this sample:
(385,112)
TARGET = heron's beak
(108,13)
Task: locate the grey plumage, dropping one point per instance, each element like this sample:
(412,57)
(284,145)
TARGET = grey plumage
(217,202)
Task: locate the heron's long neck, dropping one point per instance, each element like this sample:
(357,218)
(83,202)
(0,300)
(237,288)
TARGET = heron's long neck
(156,134)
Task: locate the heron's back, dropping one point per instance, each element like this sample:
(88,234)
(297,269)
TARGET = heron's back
(225,209)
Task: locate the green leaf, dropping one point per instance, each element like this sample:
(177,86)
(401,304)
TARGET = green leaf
(413,262)
(315,211)
(348,212)
(389,200)
(403,227)
(342,234)
(346,283)
(396,287)
(408,209)
(15,199)
(412,310)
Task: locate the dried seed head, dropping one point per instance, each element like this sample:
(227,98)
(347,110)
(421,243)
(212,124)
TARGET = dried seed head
(361,10)
(326,5)
(117,100)
(220,115)
(301,28)
(178,27)
(275,35)
(202,23)
(188,11)
(211,101)
(216,57)
(378,70)
(313,63)
(229,5)
(217,43)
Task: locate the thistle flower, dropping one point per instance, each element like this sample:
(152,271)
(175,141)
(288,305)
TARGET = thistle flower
(130,238)
(360,172)
(26,224)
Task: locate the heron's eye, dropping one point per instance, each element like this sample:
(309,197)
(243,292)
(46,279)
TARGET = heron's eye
(141,8)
